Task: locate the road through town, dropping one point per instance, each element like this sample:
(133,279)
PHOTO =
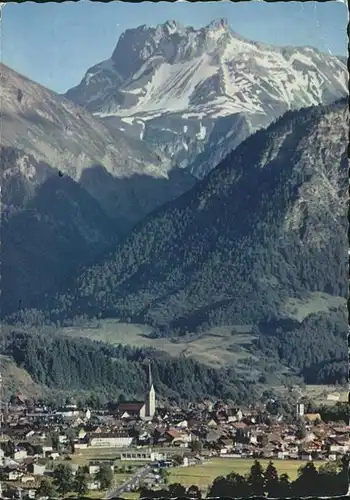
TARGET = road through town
(132,482)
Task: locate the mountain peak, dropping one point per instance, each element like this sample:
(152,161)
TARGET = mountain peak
(172,26)
(174,85)
(218,24)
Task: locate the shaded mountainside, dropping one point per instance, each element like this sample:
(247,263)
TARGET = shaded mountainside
(315,348)
(70,188)
(56,131)
(59,363)
(175,87)
(47,232)
(267,224)
(68,138)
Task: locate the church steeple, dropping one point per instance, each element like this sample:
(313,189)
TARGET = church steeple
(151,396)
(150,379)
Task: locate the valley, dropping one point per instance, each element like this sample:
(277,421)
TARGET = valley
(186,200)
(203,258)
(219,346)
(174,251)
(266,285)
(222,345)
(226,345)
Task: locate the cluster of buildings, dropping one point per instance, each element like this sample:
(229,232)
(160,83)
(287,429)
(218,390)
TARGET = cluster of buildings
(32,439)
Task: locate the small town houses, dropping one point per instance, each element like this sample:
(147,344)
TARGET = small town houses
(33,439)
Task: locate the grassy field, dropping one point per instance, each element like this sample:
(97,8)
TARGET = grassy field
(314,303)
(326,394)
(131,495)
(219,346)
(203,475)
(319,394)
(17,380)
(94,494)
(90,494)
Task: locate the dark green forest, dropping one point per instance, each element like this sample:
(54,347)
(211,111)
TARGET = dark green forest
(316,348)
(60,362)
(48,231)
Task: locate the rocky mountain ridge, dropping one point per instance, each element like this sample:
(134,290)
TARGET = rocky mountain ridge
(175,87)
(54,131)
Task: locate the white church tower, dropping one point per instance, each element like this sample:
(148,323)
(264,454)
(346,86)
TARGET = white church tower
(300,410)
(151,397)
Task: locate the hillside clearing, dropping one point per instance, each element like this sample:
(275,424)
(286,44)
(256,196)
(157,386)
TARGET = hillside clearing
(227,345)
(218,346)
(316,302)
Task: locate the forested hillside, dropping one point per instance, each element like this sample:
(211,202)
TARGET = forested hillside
(58,362)
(70,188)
(267,224)
(316,348)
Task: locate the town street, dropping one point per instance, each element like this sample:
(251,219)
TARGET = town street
(133,481)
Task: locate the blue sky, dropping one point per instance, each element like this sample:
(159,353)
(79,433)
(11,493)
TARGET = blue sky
(54,44)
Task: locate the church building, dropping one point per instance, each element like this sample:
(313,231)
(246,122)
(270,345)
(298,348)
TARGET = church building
(144,410)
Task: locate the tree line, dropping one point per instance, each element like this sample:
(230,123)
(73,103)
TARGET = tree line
(59,362)
(64,481)
(331,479)
(316,347)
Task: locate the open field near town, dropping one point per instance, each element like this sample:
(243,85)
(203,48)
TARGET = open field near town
(91,494)
(326,394)
(131,495)
(319,394)
(203,475)
(218,346)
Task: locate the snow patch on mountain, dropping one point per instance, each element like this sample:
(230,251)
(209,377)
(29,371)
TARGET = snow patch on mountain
(170,77)
(202,132)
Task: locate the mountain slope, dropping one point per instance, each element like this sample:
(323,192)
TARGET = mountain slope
(267,224)
(173,86)
(69,188)
(50,226)
(48,126)
(59,363)
(55,131)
